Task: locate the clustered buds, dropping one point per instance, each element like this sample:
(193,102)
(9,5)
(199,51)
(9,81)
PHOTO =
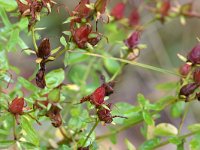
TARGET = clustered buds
(97,99)
(82,15)
(118,13)
(32,8)
(191,68)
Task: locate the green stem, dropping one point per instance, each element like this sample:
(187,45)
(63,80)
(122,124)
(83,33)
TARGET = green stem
(180,137)
(117,72)
(183,117)
(133,63)
(88,136)
(34,39)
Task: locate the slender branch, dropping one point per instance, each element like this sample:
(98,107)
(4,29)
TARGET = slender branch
(183,117)
(180,137)
(133,63)
(34,38)
(88,136)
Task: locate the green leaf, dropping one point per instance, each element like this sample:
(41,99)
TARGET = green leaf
(111,65)
(195,142)
(54,95)
(124,109)
(73,58)
(129,145)
(142,100)
(14,37)
(30,133)
(26,84)
(76,73)
(165,129)
(150,144)
(194,127)
(177,109)
(4,17)
(147,118)
(6,144)
(63,41)
(55,78)
(8,5)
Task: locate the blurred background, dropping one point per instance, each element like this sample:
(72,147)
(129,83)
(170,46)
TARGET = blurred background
(163,42)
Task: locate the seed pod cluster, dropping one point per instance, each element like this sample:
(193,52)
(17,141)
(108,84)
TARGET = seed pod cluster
(97,99)
(192,70)
(82,15)
(31,9)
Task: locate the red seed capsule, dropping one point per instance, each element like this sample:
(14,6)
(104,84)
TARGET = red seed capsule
(105,115)
(44,49)
(194,55)
(196,75)
(118,11)
(185,69)
(188,89)
(81,11)
(16,106)
(97,97)
(133,40)
(40,78)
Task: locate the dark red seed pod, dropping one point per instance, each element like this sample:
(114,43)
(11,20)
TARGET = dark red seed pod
(40,78)
(133,40)
(188,89)
(105,115)
(81,11)
(118,11)
(16,106)
(97,97)
(134,18)
(185,69)
(81,34)
(194,55)
(44,49)
(23,8)
(196,76)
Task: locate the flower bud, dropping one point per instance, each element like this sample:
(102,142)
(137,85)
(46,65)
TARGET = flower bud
(194,55)
(133,40)
(44,49)
(80,35)
(118,11)
(16,106)
(188,89)
(185,69)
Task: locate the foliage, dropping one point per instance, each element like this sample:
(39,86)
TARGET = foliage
(67,106)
